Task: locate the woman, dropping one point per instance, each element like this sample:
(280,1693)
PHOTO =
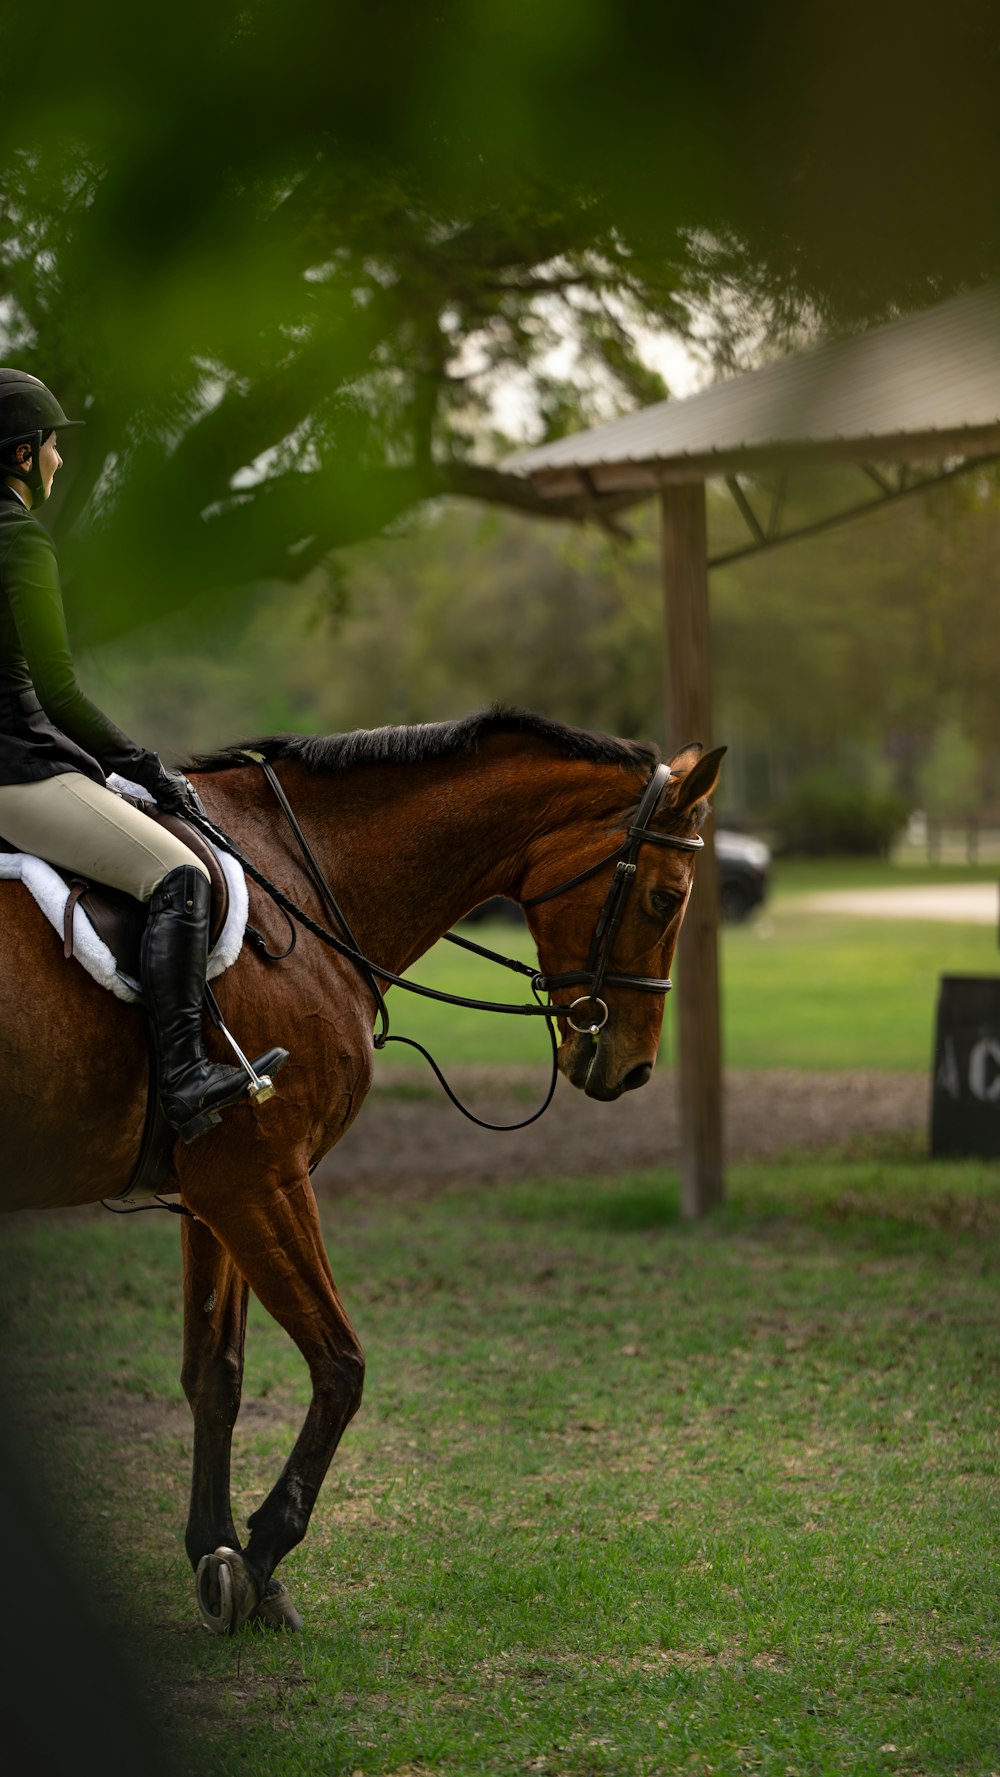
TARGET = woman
(55,747)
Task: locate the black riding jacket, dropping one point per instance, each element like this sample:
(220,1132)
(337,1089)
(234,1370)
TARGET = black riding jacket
(47,724)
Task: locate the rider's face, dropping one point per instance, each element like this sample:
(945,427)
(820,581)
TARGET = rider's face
(49,461)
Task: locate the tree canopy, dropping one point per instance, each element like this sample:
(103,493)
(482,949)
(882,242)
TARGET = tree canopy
(280,256)
(862,653)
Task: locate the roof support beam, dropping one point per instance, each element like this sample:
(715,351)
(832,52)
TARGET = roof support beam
(689,717)
(910,483)
(750,518)
(873,474)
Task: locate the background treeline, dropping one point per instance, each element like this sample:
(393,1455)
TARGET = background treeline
(866,657)
(308,272)
(292,263)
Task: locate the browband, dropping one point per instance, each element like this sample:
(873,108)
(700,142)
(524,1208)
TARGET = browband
(637,834)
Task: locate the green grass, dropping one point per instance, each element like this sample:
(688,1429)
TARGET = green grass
(799,989)
(811,875)
(624,1496)
(808,990)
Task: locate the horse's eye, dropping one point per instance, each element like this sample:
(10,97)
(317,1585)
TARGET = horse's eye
(664,902)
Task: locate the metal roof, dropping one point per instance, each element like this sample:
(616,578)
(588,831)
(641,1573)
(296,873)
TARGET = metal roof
(923,388)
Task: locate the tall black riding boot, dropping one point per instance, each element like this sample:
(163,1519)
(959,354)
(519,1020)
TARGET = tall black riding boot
(193,1090)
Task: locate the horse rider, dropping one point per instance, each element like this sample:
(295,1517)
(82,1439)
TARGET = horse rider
(55,748)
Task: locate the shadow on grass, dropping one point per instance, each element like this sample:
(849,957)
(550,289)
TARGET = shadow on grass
(881,1195)
(633,1203)
(643,1205)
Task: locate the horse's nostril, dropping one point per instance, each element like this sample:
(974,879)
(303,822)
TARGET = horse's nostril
(636,1076)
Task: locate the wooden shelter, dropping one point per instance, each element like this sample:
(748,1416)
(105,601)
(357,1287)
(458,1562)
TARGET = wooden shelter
(907,405)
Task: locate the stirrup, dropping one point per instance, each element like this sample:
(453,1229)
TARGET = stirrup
(259,1074)
(265,1067)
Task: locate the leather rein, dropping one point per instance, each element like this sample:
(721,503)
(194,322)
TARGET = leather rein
(595,975)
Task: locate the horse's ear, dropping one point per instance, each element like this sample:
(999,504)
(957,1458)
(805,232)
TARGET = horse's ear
(700,776)
(687,758)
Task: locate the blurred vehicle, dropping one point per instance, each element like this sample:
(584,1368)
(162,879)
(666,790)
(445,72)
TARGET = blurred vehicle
(744,871)
(498,908)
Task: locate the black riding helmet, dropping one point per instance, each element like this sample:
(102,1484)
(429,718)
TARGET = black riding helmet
(28,413)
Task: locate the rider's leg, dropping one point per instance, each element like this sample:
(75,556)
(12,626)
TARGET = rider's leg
(80,825)
(193,1090)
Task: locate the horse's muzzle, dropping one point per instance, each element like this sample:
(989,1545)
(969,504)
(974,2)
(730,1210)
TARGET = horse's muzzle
(590,1067)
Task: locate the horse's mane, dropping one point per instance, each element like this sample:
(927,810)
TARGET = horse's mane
(431,740)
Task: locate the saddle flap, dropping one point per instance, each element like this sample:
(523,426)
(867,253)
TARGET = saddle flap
(190,836)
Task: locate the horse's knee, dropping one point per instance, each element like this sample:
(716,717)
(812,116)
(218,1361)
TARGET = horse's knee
(215,1381)
(354,1379)
(350,1379)
(340,1380)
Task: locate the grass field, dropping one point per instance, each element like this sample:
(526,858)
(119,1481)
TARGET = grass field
(799,989)
(624,1497)
(805,875)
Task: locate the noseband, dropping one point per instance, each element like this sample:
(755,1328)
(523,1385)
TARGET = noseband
(596,974)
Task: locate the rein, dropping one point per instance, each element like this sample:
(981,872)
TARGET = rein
(596,973)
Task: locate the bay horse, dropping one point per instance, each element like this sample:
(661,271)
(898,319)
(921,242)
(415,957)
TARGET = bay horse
(413,827)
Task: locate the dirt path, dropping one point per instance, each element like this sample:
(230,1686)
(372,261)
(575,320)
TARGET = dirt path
(409,1132)
(965,903)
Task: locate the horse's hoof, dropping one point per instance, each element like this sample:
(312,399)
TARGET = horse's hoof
(227,1592)
(276,1610)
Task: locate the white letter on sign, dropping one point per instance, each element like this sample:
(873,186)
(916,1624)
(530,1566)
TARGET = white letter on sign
(984,1083)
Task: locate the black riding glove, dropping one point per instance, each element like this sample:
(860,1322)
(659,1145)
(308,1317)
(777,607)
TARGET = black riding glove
(170,789)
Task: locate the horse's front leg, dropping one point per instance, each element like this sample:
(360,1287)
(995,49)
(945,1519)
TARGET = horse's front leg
(275,1245)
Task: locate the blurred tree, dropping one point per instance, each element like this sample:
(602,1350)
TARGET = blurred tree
(282,253)
(859,652)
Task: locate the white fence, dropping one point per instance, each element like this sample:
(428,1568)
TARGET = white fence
(929,841)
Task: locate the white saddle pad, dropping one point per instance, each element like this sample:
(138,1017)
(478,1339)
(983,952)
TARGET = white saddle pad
(49,890)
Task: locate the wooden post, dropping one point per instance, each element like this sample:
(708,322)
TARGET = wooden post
(689,717)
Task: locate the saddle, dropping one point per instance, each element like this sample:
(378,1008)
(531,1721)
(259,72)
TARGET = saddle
(118,918)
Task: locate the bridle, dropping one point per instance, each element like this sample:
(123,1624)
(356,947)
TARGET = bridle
(597,973)
(594,976)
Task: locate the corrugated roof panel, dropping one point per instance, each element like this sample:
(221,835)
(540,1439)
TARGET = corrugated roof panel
(937,371)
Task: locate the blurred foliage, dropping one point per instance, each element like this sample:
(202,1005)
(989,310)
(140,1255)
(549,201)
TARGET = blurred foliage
(282,255)
(825,815)
(867,651)
(873,636)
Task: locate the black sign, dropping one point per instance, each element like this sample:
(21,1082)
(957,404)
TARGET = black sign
(965,1103)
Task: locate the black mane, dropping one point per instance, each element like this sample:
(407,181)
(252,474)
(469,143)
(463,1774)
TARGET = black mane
(431,740)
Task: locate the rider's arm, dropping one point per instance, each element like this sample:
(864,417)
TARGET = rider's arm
(31,576)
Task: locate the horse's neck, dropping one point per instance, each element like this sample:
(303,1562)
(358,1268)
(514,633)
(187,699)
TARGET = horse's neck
(409,849)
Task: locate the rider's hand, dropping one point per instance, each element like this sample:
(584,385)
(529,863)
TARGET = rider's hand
(171,791)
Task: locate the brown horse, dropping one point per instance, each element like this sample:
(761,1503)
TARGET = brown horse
(412,827)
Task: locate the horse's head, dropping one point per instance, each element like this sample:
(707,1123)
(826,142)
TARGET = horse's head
(610,1038)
